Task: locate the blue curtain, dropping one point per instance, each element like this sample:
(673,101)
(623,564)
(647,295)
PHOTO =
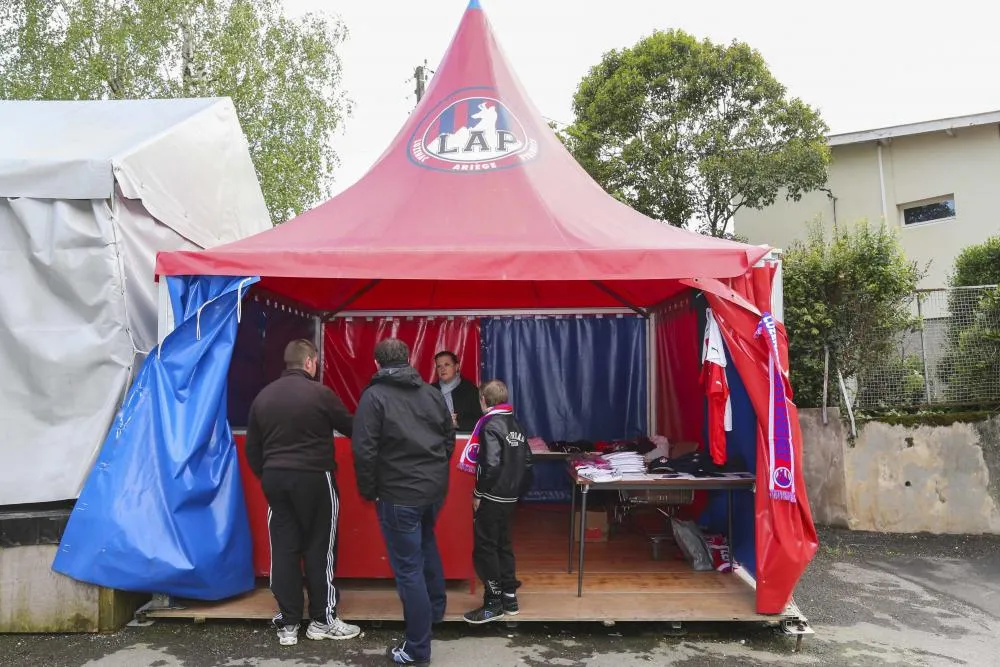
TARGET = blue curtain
(162,509)
(571,378)
(259,354)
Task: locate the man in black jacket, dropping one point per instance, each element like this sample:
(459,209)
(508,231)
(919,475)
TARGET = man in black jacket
(290,449)
(503,474)
(461,396)
(403,441)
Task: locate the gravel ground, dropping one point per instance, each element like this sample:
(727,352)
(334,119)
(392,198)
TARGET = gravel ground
(873,600)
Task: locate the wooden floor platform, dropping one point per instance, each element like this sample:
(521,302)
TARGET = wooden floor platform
(622,583)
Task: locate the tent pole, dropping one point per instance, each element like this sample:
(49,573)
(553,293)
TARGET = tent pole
(354,297)
(610,292)
(165,316)
(651,373)
(265,295)
(778,291)
(481,312)
(318,322)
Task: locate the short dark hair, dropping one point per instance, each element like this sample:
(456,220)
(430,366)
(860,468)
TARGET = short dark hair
(391,351)
(494,393)
(297,351)
(447,353)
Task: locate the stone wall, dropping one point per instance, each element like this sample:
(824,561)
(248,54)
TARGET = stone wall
(33,598)
(937,479)
(823,464)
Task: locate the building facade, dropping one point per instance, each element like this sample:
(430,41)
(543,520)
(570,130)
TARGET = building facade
(935,182)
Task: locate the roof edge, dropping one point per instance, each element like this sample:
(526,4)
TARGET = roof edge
(909,129)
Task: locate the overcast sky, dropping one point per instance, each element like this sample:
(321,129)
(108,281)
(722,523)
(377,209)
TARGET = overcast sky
(863,63)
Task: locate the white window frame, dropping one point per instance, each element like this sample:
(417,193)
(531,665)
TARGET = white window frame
(924,202)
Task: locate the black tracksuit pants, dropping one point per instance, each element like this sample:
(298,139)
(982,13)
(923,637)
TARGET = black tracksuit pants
(303,508)
(492,551)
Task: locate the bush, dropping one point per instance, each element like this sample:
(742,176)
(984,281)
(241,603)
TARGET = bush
(852,292)
(971,368)
(978,265)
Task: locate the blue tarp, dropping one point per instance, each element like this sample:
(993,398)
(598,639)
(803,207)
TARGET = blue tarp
(571,378)
(163,510)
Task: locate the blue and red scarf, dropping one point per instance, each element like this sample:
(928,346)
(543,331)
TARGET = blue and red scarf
(781,463)
(467,463)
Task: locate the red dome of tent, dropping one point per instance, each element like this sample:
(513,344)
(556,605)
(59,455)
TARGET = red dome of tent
(474,188)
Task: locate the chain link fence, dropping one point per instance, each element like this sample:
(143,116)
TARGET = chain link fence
(949,356)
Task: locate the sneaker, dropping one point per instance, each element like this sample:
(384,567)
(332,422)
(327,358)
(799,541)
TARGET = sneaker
(509,604)
(490,611)
(398,656)
(288,635)
(336,630)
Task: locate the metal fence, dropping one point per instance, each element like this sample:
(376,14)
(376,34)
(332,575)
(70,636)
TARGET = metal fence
(950,355)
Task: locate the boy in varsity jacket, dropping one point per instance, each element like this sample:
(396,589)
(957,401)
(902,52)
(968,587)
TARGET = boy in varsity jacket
(503,474)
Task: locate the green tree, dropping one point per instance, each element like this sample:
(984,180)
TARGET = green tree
(970,370)
(978,265)
(852,293)
(689,131)
(283,74)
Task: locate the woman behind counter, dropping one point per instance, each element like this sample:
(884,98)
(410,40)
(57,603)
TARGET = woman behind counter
(461,395)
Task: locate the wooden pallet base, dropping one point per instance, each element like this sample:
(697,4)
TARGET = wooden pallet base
(383,605)
(622,583)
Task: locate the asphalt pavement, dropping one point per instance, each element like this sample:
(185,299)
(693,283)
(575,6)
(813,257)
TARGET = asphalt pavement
(872,599)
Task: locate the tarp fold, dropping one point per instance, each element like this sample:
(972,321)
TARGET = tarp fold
(162,510)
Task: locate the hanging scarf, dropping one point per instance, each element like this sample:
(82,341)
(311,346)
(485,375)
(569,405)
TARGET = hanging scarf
(447,388)
(779,428)
(467,463)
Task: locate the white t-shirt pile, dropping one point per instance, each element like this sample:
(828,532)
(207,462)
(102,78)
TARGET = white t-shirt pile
(626,463)
(597,470)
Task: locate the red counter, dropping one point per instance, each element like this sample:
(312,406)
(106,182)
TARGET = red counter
(361,549)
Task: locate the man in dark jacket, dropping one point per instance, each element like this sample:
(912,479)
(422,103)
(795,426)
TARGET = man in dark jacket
(461,396)
(503,474)
(403,441)
(290,448)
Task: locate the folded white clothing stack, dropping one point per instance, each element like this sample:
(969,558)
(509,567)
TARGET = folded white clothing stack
(626,463)
(598,474)
(595,474)
(596,470)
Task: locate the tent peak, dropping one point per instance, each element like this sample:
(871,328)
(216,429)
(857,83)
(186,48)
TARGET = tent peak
(476,187)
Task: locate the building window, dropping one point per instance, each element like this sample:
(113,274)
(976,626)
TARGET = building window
(928,210)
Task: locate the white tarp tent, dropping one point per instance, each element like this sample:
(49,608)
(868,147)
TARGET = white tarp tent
(89,193)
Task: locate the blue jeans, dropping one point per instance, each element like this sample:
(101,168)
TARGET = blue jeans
(413,554)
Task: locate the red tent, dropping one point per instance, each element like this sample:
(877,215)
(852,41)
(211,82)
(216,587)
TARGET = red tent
(476,204)
(475,187)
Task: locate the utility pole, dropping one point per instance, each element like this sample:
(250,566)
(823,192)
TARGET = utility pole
(192,73)
(420,76)
(187,56)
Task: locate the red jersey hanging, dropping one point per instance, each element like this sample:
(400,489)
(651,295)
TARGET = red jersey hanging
(713,379)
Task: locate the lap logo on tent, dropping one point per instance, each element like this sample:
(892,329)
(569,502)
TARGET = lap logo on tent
(471,134)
